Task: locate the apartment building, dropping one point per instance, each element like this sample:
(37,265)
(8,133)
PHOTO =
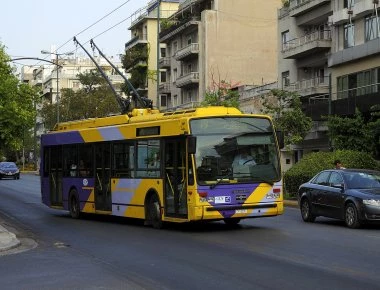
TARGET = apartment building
(68,72)
(140,59)
(329,53)
(210,41)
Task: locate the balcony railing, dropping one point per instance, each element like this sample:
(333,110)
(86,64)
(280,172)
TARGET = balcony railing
(309,43)
(164,62)
(164,88)
(139,39)
(299,7)
(183,53)
(318,85)
(190,78)
(178,27)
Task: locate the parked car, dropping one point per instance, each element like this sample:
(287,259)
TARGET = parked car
(352,195)
(9,170)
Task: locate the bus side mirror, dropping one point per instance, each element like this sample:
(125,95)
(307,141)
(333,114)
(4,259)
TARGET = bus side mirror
(280,139)
(191,144)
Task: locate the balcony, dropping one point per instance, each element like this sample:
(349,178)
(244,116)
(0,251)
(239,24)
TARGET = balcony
(308,44)
(164,88)
(340,17)
(362,8)
(310,87)
(178,27)
(187,80)
(164,62)
(137,40)
(187,52)
(299,7)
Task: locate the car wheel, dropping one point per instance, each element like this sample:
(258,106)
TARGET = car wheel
(232,222)
(351,216)
(306,213)
(74,206)
(154,212)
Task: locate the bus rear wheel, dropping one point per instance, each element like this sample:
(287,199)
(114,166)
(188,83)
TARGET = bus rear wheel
(154,212)
(74,204)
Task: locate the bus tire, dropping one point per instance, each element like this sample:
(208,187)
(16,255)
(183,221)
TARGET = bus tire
(154,212)
(74,206)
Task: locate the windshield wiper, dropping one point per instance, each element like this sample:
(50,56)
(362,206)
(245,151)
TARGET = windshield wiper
(223,178)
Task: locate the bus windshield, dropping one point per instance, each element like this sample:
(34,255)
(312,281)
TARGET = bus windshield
(235,150)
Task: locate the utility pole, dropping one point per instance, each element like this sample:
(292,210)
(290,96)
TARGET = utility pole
(158,54)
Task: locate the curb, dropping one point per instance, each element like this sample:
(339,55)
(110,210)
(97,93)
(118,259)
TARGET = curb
(290,203)
(8,240)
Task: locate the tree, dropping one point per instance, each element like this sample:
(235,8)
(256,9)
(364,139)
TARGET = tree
(221,94)
(285,108)
(95,99)
(355,133)
(17,111)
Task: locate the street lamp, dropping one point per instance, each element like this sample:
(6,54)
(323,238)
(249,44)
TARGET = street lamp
(56,59)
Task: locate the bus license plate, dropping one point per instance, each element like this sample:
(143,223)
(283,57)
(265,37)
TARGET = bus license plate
(241,211)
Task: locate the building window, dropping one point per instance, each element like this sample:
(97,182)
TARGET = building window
(342,84)
(174,75)
(371,28)
(285,79)
(359,84)
(163,52)
(349,35)
(348,3)
(285,40)
(163,101)
(163,76)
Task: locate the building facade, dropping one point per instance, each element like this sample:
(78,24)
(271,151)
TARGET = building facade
(329,53)
(140,59)
(213,41)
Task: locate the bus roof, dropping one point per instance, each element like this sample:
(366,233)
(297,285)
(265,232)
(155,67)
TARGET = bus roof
(144,115)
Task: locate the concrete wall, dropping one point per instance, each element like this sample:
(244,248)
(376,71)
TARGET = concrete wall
(239,42)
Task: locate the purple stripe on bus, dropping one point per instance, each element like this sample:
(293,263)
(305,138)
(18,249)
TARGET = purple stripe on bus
(226,191)
(111,133)
(61,138)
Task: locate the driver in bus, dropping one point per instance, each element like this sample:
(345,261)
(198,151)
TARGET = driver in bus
(243,158)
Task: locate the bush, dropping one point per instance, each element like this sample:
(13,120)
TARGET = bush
(312,163)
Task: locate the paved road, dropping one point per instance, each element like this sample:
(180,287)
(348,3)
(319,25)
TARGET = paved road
(113,253)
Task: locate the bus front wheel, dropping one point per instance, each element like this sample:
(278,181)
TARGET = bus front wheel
(154,212)
(74,204)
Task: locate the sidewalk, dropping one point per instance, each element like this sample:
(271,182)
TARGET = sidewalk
(8,240)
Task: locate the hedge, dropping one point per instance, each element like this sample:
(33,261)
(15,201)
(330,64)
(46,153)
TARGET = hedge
(313,163)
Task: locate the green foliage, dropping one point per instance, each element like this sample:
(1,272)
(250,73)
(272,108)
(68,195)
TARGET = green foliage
(222,95)
(285,3)
(312,163)
(134,55)
(166,23)
(355,133)
(17,111)
(95,99)
(139,76)
(285,108)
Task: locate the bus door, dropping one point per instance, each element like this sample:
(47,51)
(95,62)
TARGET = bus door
(55,176)
(175,182)
(103,199)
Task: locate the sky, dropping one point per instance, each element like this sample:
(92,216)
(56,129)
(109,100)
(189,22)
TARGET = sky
(29,26)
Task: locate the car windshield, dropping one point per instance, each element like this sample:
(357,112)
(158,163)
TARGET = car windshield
(362,180)
(8,165)
(235,150)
